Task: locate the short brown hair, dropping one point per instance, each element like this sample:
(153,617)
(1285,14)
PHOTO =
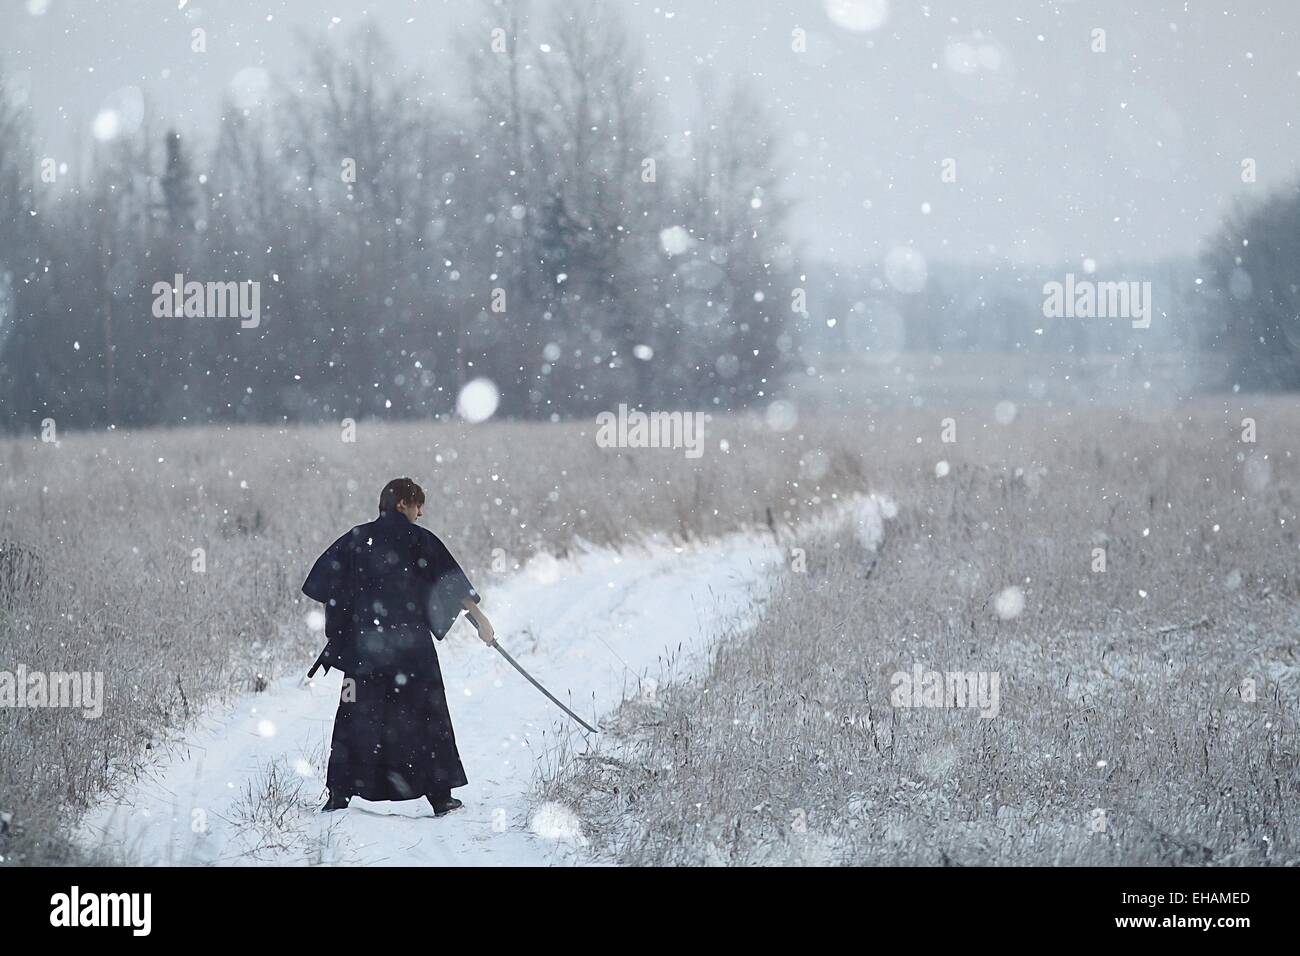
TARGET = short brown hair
(400,490)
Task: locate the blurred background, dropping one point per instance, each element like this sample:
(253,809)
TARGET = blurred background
(819,203)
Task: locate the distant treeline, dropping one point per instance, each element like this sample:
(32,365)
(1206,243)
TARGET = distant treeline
(552,233)
(1234,309)
(999,307)
(1251,314)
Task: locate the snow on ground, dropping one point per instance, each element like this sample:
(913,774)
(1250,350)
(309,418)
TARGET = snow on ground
(587,628)
(244,785)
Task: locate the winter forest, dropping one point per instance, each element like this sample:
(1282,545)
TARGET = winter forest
(541,234)
(555,231)
(817,432)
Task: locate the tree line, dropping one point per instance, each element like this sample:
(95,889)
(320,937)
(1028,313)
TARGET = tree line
(1250,309)
(553,233)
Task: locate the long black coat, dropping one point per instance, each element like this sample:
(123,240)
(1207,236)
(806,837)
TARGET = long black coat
(386,585)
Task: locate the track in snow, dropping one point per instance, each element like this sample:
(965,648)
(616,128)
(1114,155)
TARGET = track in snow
(588,628)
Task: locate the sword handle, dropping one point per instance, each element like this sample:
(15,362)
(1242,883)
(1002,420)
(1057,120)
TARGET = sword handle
(320,662)
(478,629)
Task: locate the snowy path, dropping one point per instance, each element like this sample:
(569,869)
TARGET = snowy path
(586,627)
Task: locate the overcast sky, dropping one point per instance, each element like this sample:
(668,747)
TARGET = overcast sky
(1061,153)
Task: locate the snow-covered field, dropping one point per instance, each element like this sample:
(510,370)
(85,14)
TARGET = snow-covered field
(243,786)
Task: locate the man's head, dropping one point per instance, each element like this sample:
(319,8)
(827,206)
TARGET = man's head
(402,495)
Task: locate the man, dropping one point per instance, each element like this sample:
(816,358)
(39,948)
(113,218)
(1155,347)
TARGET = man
(385,585)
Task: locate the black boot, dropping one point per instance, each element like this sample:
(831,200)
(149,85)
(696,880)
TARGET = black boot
(444,803)
(335,803)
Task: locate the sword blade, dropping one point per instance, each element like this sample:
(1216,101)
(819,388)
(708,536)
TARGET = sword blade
(532,680)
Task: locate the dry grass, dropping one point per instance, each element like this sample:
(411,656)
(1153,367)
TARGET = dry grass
(274,813)
(788,750)
(97,566)
(1120,691)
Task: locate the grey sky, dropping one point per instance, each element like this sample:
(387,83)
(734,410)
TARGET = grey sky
(1061,153)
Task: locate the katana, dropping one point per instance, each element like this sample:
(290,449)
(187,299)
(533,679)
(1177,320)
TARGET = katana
(532,680)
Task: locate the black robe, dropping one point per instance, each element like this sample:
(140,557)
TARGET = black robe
(385,586)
